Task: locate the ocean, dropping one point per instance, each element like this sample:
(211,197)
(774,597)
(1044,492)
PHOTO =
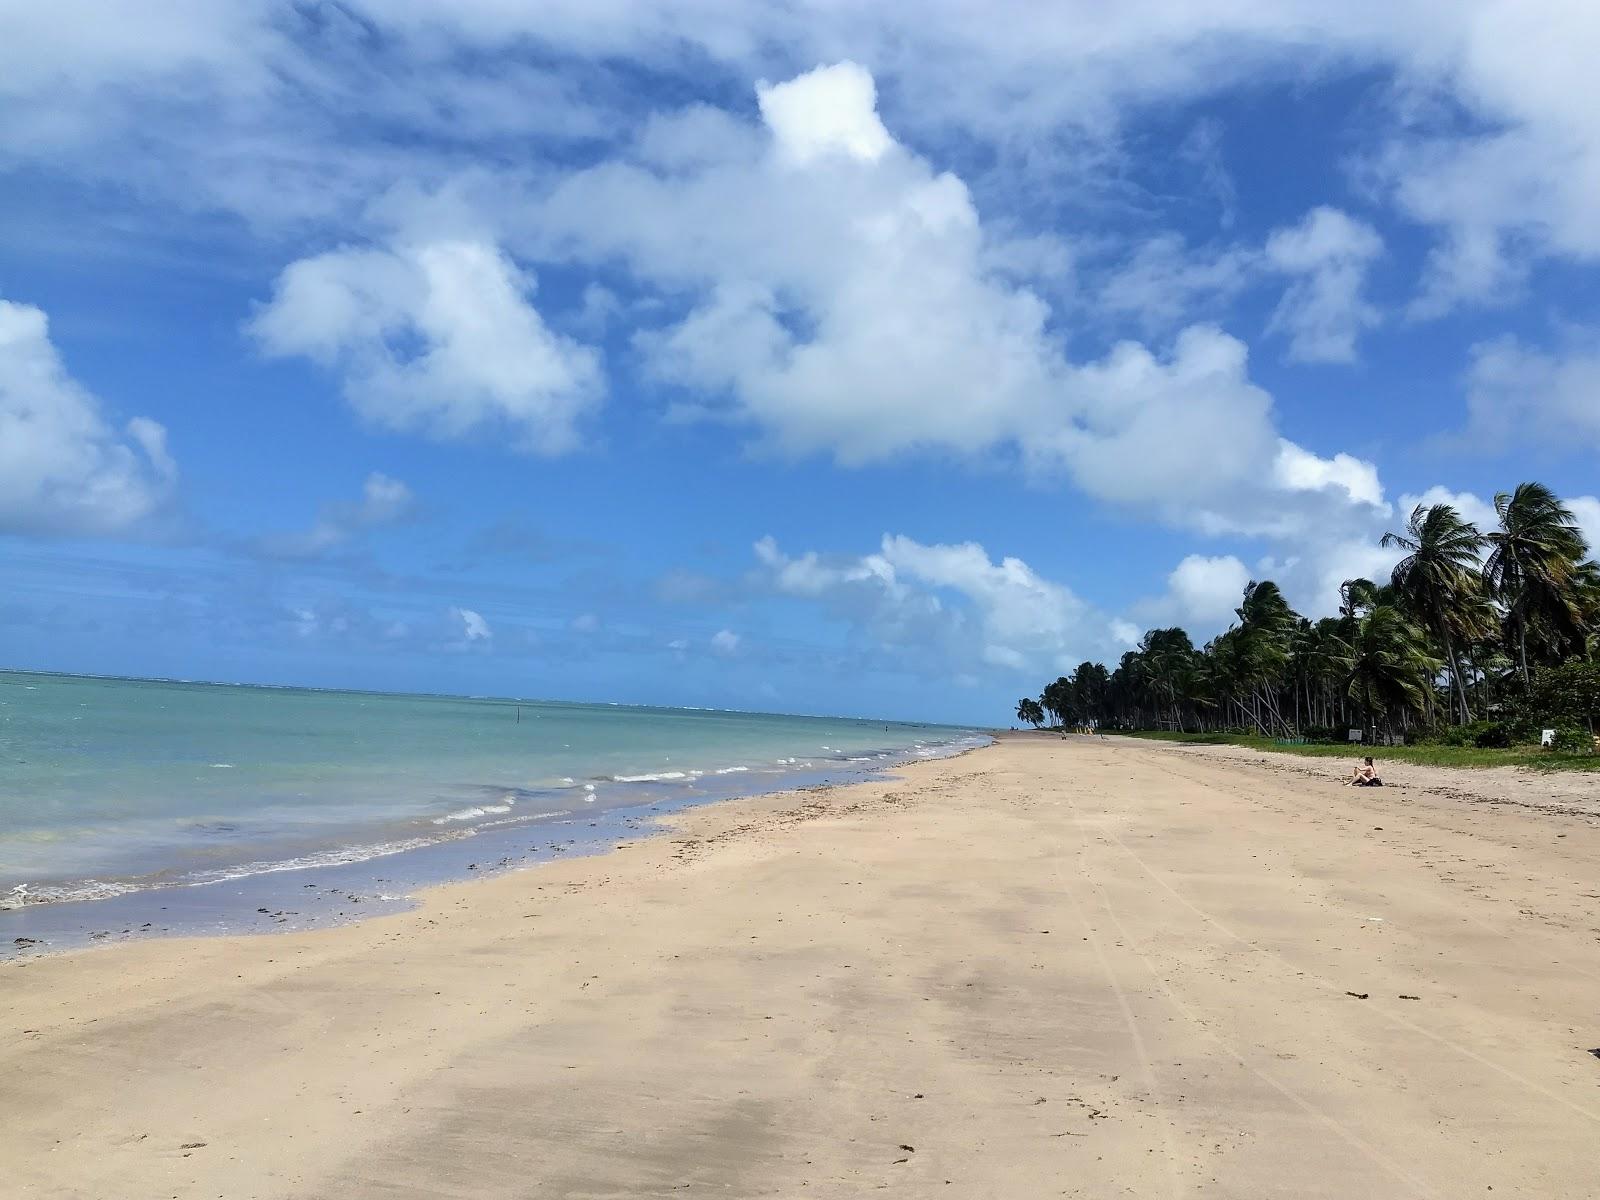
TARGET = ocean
(116,786)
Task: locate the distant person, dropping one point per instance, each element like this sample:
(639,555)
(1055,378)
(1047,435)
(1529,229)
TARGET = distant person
(1366,775)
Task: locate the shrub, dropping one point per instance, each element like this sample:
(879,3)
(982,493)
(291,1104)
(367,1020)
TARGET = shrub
(1572,740)
(1486,735)
(1492,735)
(1568,695)
(1323,733)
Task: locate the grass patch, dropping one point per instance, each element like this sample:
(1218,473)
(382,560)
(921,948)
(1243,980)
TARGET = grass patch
(1427,756)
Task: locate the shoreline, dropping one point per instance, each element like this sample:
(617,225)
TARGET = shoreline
(118,786)
(1114,968)
(283,899)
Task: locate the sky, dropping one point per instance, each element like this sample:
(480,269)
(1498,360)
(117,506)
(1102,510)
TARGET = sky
(800,357)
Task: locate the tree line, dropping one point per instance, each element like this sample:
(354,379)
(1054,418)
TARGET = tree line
(1477,636)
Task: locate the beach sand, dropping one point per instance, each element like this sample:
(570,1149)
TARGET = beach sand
(1047,968)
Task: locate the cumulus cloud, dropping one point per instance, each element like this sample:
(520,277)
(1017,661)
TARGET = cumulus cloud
(829,111)
(1324,310)
(1518,186)
(1474,508)
(437,338)
(285,113)
(953,599)
(64,468)
(471,627)
(1202,592)
(383,501)
(1518,394)
(725,642)
(1587,510)
(1297,469)
(844,299)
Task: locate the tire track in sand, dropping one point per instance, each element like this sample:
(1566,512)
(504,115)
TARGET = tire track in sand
(1355,1140)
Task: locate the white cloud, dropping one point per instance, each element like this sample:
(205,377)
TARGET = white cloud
(1323,310)
(1521,185)
(829,111)
(383,501)
(953,600)
(1206,591)
(1473,508)
(845,299)
(1516,394)
(1297,469)
(437,338)
(1310,579)
(64,469)
(1587,510)
(1164,281)
(285,114)
(725,642)
(473,627)
(586,623)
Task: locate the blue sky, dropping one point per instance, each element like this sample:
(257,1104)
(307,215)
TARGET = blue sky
(782,357)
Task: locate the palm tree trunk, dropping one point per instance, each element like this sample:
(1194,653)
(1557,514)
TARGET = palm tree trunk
(1455,675)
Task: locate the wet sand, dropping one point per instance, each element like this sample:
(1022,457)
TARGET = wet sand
(1082,968)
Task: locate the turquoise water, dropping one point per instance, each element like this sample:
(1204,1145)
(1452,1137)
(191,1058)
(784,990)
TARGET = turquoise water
(113,785)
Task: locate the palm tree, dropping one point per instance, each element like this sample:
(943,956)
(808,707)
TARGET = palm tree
(1438,578)
(1266,635)
(1168,656)
(1029,710)
(1533,562)
(1355,595)
(1056,699)
(1387,665)
(1089,683)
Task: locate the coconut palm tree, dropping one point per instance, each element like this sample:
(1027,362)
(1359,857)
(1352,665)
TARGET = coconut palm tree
(1056,699)
(1266,634)
(1533,562)
(1438,578)
(1387,665)
(1089,683)
(1168,657)
(1030,711)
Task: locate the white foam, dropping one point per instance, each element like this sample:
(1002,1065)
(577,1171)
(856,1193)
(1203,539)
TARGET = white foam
(655,777)
(222,766)
(731,770)
(472,813)
(522,818)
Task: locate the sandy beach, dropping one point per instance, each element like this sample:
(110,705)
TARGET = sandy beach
(1092,968)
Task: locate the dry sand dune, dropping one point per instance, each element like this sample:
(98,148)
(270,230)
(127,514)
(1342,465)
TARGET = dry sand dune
(1048,968)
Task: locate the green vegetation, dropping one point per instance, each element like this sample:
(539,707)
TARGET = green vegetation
(1477,643)
(1425,754)
(1030,711)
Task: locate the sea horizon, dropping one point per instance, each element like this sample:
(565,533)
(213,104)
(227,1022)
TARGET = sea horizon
(486,697)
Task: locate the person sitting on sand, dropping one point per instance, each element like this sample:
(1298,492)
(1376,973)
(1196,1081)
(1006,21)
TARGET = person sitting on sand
(1366,775)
